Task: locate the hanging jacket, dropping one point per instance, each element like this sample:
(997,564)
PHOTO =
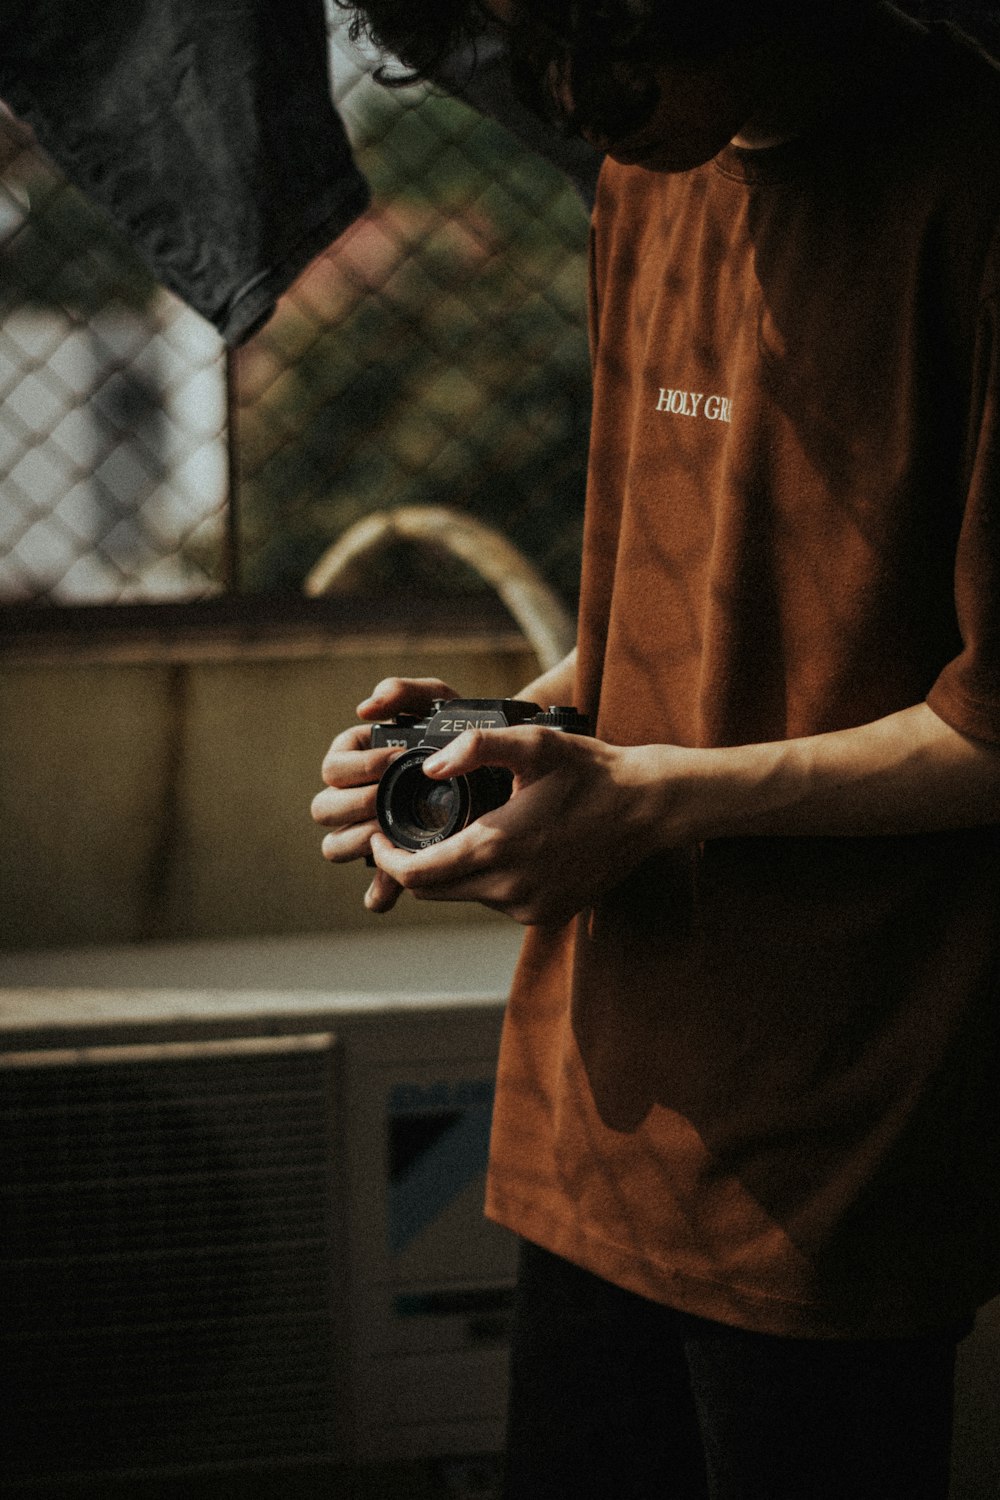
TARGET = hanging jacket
(203,127)
(206,130)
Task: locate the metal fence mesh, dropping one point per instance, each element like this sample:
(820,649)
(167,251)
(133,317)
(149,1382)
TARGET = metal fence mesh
(436,354)
(112,411)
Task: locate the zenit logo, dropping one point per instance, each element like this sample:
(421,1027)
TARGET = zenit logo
(471,721)
(695,404)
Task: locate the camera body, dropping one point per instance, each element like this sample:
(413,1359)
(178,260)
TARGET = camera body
(414,811)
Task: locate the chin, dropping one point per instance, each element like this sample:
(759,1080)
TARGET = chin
(667,157)
(674,146)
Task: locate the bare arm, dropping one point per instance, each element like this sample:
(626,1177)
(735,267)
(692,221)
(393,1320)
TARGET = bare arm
(554,686)
(907,773)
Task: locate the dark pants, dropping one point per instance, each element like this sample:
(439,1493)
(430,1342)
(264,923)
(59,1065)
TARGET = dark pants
(617,1398)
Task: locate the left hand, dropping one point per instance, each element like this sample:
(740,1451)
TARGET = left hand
(573,827)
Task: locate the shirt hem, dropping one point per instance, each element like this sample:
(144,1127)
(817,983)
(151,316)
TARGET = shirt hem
(865,1314)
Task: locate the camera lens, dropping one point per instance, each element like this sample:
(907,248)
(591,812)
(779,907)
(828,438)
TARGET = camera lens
(414,811)
(433,805)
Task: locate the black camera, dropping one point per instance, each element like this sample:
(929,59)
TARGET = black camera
(414,811)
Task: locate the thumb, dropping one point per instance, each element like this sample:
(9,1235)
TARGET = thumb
(514,749)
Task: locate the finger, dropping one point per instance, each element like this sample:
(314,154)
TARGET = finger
(435,875)
(383,893)
(344,768)
(485,890)
(339,808)
(348,844)
(358,737)
(394,695)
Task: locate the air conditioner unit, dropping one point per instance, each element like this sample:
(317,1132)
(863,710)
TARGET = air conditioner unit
(241,1204)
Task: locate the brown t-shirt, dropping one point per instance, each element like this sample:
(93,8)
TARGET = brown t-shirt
(760,1080)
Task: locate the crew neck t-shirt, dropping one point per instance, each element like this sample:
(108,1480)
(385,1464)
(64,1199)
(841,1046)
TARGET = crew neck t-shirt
(759,1081)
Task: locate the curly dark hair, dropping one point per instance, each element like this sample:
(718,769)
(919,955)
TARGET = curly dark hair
(608,48)
(422,39)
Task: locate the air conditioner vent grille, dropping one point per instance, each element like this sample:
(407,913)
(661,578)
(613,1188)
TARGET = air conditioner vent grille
(166,1259)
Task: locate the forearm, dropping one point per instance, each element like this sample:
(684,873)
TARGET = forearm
(555,686)
(907,773)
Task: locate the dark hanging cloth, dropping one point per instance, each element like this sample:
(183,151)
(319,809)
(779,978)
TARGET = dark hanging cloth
(204,128)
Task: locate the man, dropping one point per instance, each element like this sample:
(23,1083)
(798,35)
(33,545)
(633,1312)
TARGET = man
(746,1114)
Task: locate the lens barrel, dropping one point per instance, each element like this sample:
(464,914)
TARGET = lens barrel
(414,811)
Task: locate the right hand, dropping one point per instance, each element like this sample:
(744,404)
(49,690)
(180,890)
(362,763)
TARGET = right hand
(351,771)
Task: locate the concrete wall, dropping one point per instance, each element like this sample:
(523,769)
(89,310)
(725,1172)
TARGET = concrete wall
(162,798)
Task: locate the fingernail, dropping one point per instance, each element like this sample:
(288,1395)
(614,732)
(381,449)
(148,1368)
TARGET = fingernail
(436,762)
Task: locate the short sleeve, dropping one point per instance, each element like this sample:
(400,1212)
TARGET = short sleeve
(967,693)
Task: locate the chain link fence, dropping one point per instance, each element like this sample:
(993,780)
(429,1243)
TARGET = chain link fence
(435,354)
(112,417)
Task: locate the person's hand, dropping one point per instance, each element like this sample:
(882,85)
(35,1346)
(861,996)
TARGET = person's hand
(351,771)
(578,821)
